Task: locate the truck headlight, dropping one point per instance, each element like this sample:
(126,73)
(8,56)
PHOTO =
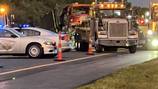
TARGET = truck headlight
(150,32)
(155,42)
(102,33)
(132,32)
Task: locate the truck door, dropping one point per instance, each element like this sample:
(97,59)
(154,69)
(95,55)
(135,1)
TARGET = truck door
(102,29)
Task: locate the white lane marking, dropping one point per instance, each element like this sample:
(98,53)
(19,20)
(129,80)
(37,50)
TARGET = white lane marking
(51,64)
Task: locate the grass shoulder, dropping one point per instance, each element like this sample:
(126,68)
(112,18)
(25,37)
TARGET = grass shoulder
(142,76)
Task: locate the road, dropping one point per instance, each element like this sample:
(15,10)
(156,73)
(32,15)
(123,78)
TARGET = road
(78,69)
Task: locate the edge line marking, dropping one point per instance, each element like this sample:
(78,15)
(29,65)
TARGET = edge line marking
(51,64)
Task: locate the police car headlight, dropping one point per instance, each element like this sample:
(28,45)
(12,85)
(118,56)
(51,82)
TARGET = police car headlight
(150,32)
(155,42)
(49,43)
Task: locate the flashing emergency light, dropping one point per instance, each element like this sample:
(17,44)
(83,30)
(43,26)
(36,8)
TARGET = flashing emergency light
(147,13)
(116,6)
(111,6)
(155,4)
(154,24)
(24,25)
(1,25)
(1,28)
(155,42)
(101,6)
(93,3)
(122,6)
(129,16)
(76,3)
(141,21)
(150,32)
(146,20)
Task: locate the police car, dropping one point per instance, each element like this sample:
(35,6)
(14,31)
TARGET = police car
(14,43)
(40,32)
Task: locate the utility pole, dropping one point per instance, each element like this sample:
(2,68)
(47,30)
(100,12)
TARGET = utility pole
(96,1)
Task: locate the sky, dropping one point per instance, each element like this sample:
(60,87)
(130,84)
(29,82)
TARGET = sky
(142,3)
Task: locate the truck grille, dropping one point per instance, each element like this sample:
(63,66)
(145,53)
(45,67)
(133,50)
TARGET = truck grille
(118,30)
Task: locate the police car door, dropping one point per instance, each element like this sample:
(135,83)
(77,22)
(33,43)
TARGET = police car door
(8,42)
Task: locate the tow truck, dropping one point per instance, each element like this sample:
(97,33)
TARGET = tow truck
(75,20)
(105,24)
(74,14)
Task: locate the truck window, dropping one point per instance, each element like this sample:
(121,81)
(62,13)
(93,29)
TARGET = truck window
(112,13)
(80,10)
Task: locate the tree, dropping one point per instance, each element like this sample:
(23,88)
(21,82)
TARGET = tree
(31,11)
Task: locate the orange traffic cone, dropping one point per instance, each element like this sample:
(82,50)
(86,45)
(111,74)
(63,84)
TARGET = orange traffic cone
(59,56)
(90,48)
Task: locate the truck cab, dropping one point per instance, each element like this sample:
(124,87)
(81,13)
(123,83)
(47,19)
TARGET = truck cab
(114,29)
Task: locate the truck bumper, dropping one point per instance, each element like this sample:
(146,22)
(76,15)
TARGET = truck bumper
(118,43)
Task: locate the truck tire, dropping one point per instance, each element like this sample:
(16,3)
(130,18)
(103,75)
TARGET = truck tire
(98,48)
(132,49)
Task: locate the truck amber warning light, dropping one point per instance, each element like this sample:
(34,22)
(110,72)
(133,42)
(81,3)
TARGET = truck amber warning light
(111,6)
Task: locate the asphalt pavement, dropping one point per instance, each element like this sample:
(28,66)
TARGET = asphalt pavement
(10,63)
(71,74)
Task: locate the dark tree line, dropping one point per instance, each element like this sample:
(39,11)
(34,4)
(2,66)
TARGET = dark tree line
(31,11)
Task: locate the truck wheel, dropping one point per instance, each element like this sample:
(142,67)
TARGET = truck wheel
(98,48)
(132,49)
(35,51)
